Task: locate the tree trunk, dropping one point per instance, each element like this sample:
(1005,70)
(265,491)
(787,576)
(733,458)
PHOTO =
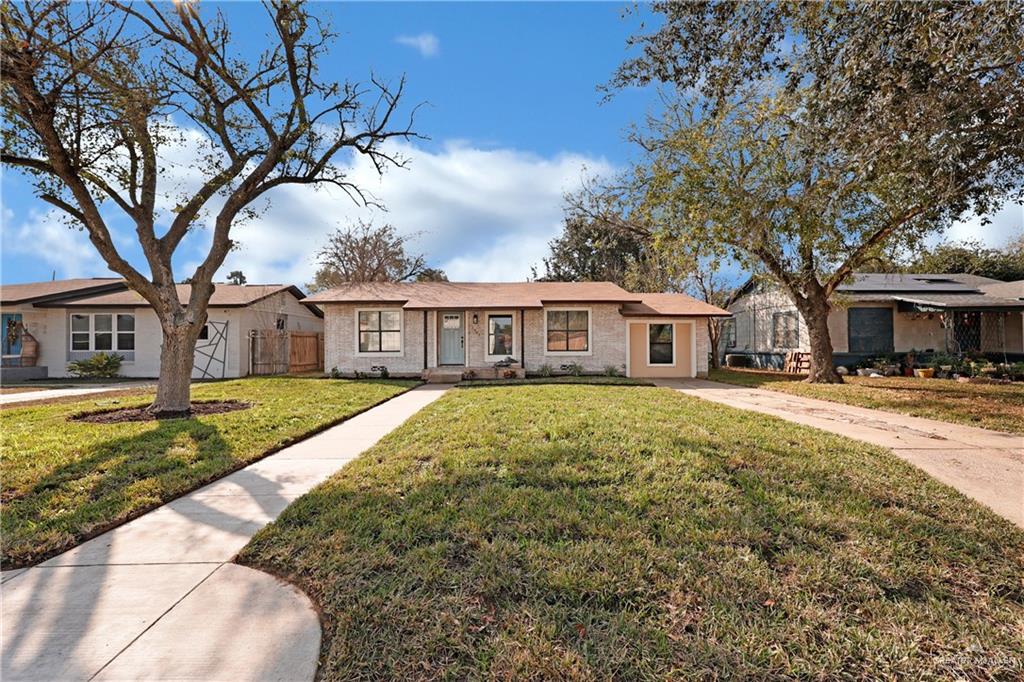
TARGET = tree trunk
(814,309)
(176,357)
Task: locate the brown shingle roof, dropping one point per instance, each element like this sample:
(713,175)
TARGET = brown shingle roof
(654,305)
(425,295)
(32,292)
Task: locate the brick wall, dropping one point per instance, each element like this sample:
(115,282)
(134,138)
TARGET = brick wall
(340,342)
(607,343)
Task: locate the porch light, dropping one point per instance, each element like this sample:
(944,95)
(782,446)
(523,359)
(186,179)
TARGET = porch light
(476,319)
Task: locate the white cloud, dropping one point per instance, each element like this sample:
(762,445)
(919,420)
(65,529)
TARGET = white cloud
(480,214)
(1004,225)
(46,237)
(426,44)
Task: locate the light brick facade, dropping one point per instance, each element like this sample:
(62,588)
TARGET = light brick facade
(607,340)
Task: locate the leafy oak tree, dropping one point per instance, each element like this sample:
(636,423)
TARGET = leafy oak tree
(806,138)
(95,95)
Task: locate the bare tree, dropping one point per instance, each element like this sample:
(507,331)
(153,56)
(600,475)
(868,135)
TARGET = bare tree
(93,93)
(365,253)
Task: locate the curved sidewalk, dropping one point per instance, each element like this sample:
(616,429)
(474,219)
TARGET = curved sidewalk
(987,466)
(158,598)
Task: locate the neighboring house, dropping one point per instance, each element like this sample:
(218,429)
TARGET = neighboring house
(442,329)
(75,319)
(877,313)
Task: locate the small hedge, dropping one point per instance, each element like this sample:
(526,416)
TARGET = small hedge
(99,366)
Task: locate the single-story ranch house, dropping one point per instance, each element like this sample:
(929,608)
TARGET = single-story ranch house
(877,313)
(76,318)
(442,330)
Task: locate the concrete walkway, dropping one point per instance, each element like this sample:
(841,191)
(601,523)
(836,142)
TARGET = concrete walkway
(985,465)
(157,597)
(50,393)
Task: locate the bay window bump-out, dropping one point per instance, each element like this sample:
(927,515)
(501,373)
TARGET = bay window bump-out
(500,335)
(379,331)
(567,331)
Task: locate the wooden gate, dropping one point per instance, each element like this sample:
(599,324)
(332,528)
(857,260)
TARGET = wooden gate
(305,353)
(273,351)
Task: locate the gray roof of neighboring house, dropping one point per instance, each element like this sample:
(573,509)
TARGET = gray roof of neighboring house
(931,290)
(949,291)
(931,283)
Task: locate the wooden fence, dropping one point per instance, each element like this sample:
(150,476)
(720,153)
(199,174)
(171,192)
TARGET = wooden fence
(273,351)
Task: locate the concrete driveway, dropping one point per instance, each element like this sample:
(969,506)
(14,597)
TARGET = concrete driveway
(158,598)
(987,466)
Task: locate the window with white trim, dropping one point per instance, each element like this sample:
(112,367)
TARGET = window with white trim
(499,335)
(380,331)
(660,342)
(785,330)
(568,331)
(102,331)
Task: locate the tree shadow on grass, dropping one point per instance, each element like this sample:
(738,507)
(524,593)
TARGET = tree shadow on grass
(119,480)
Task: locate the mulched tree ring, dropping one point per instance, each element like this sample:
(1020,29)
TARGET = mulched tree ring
(142,414)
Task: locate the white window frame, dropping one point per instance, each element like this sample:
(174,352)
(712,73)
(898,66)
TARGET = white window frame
(400,353)
(488,314)
(788,313)
(671,324)
(590,332)
(114,346)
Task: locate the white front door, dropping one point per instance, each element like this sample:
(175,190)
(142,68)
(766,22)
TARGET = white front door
(453,340)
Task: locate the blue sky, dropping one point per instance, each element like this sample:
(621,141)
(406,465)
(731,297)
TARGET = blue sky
(514,119)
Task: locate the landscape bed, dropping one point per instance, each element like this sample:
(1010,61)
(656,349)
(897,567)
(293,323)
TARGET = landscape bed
(986,405)
(65,481)
(617,532)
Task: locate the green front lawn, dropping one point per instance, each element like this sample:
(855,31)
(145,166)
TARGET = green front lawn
(63,481)
(989,406)
(615,532)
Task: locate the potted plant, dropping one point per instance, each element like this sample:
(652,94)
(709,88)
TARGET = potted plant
(924,372)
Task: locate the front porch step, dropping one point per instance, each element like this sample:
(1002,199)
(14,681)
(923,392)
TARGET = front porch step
(449,375)
(435,376)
